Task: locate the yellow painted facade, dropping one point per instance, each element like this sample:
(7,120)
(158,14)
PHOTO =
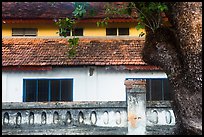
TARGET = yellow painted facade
(90,29)
(43,29)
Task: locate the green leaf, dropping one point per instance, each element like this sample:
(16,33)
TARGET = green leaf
(67,19)
(72,44)
(98,23)
(80,9)
(102,24)
(139,26)
(106,23)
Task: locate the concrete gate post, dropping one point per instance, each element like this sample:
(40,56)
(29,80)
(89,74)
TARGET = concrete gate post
(136,106)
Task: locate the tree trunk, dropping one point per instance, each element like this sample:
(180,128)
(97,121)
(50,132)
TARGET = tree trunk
(178,51)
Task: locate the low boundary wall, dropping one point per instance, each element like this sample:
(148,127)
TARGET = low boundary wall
(135,116)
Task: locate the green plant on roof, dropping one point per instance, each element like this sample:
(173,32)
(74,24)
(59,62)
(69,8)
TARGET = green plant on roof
(148,16)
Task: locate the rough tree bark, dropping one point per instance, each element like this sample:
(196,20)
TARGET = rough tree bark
(179,53)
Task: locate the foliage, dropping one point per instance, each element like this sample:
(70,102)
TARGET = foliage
(103,23)
(83,8)
(73,44)
(65,25)
(148,15)
(80,9)
(112,10)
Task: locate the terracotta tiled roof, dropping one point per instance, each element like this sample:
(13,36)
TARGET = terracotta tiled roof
(36,9)
(51,21)
(48,10)
(53,52)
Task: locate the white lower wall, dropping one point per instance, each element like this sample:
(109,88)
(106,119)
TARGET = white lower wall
(104,85)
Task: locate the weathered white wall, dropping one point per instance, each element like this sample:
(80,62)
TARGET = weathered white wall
(4,80)
(104,85)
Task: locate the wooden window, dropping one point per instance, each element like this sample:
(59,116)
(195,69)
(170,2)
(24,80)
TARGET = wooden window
(157,89)
(111,31)
(123,31)
(30,87)
(77,32)
(55,86)
(167,90)
(17,32)
(41,90)
(66,90)
(73,32)
(67,32)
(117,31)
(24,31)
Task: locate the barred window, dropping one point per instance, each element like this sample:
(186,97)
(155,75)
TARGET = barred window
(24,31)
(158,89)
(73,32)
(40,90)
(117,31)
(123,31)
(77,32)
(111,31)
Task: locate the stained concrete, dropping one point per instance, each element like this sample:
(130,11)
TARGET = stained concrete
(64,130)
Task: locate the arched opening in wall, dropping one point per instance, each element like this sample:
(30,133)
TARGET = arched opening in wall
(68,117)
(81,117)
(168,117)
(118,117)
(105,117)
(43,118)
(55,117)
(6,118)
(18,119)
(93,117)
(31,118)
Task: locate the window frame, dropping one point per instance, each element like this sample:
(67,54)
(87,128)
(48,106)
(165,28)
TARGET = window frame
(117,31)
(71,32)
(162,95)
(49,87)
(123,34)
(24,32)
(112,34)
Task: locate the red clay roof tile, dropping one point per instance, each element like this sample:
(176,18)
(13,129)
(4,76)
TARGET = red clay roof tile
(51,10)
(53,52)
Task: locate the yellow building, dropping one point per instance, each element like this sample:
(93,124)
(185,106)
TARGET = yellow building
(43,21)
(49,28)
